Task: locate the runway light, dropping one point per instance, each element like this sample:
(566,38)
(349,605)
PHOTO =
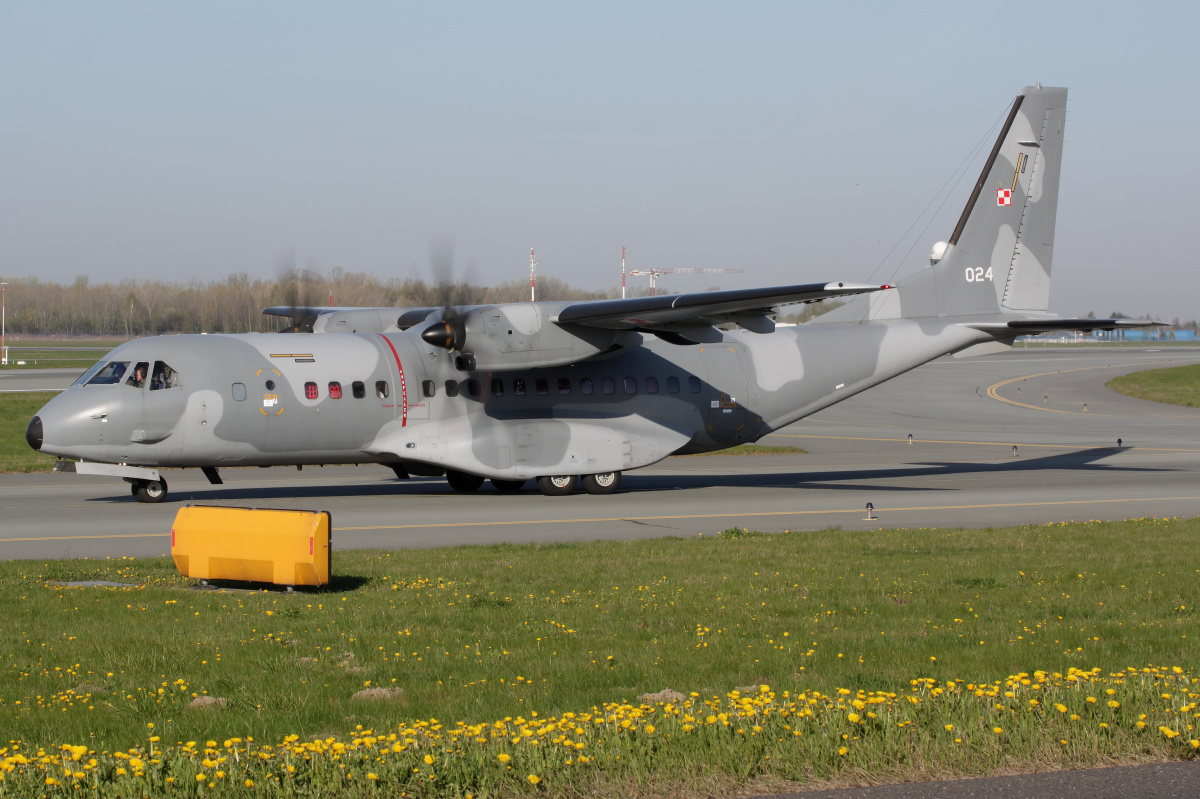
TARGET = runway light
(910,438)
(1085,407)
(870,513)
(1118,442)
(1014,450)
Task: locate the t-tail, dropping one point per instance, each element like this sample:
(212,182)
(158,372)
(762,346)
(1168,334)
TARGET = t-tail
(997,261)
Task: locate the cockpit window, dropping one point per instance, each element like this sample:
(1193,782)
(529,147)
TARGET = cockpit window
(138,378)
(163,376)
(89,374)
(110,374)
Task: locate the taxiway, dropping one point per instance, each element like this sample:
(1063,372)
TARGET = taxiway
(965,417)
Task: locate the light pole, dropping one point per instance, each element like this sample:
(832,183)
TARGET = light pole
(3,302)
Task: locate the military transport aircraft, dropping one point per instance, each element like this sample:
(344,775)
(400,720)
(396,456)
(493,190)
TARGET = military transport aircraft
(569,392)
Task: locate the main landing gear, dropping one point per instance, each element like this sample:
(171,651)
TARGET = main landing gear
(149,490)
(559,485)
(556,485)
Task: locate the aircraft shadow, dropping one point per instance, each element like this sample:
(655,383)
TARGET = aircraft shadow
(1084,460)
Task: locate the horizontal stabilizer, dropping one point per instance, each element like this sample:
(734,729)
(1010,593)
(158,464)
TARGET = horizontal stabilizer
(706,308)
(1027,326)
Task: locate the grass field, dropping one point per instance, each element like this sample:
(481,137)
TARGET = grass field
(57,353)
(15,412)
(1179,385)
(528,662)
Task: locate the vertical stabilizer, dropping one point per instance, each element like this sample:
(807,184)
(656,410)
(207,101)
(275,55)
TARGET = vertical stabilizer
(998,258)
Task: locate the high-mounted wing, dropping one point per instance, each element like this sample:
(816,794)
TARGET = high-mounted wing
(749,308)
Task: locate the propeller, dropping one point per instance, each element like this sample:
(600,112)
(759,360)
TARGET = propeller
(450,331)
(296,297)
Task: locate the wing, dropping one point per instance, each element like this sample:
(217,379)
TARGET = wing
(673,313)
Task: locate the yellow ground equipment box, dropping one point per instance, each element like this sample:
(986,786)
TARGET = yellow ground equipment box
(285,547)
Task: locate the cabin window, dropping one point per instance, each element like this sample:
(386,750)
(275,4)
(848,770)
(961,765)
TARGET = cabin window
(451,388)
(564,385)
(651,385)
(163,376)
(542,386)
(694,384)
(608,385)
(239,391)
(310,390)
(358,389)
(519,386)
(585,386)
(335,390)
(381,389)
(428,388)
(111,374)
(630,385)
(472,387)
(673,385)
(138,378)
(497,387)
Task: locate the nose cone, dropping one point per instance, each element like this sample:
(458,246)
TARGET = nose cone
(33,433)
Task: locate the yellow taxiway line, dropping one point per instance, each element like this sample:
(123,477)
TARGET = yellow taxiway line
(992,390)
(733,514)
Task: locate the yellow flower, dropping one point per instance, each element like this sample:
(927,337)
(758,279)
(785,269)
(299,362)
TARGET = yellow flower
(853,718)
(997,730)
(503,758)
(199,778)
(429,760)
(249,783)
(533,779)
(1061,708)
(1114,704)
(842,750)
(949,727)
(371,775)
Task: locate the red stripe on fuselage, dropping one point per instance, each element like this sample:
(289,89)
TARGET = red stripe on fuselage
(403,386)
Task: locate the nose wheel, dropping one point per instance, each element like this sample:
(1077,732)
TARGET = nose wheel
(152,491)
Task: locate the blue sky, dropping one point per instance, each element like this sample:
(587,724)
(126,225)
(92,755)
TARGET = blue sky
(797,142)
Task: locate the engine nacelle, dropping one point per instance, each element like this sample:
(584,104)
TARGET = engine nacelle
(522,336)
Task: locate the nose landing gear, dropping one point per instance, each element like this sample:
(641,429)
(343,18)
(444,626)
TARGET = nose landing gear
(152,491)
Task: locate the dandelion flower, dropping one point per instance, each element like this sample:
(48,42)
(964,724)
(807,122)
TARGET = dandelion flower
(842,750)
(503,758)
(533,779)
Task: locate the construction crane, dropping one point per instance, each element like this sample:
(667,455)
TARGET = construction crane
(655,273)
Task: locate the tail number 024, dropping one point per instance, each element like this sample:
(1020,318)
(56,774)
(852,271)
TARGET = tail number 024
(977,275)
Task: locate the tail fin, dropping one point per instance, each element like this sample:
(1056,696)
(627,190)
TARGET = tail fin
(997,260)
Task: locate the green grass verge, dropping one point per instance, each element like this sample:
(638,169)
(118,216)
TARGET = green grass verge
(751,449)
(57,353)
(15,412)
(540,653)
(1179,385)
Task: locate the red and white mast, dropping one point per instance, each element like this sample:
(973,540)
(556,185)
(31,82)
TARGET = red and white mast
(532,277)
(622,271)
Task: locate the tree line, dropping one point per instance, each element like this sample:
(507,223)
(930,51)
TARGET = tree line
(133,308)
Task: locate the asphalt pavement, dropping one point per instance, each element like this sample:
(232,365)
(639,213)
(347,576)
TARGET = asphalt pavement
(965,417)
